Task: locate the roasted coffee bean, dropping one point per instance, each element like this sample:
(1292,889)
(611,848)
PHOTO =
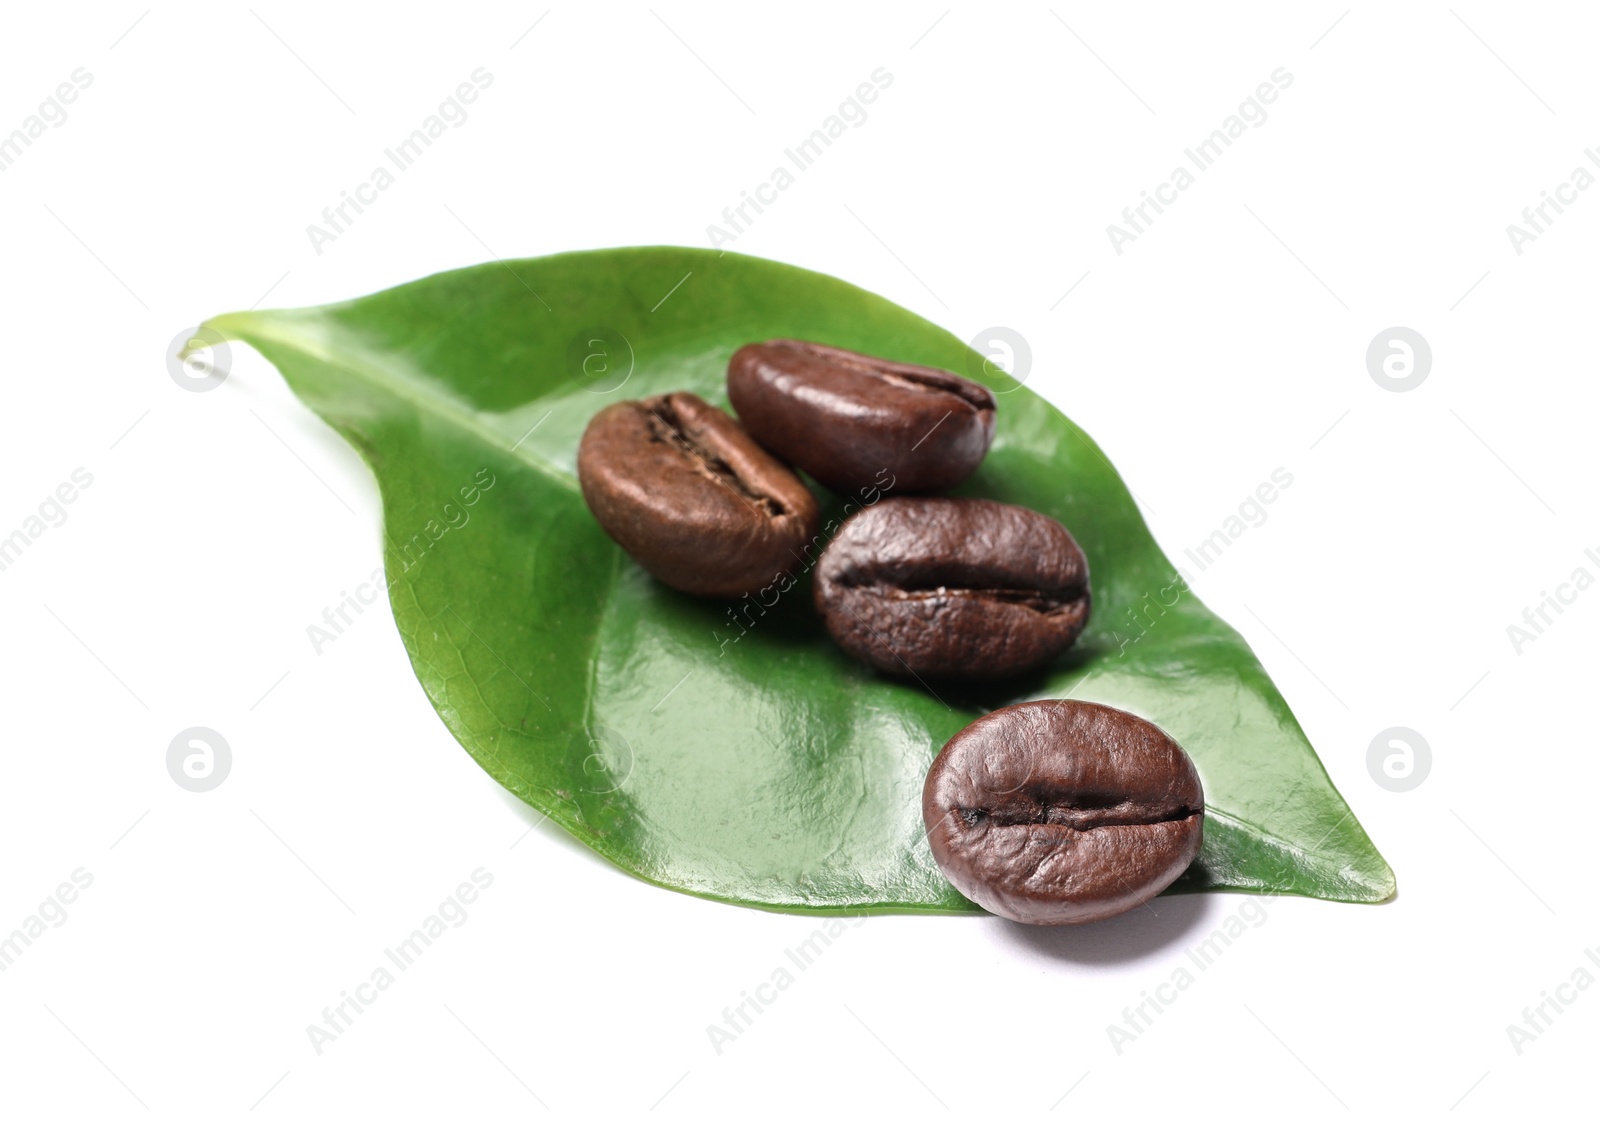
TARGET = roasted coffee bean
(1062,811)
(952,587)
(687,492)
(850,420)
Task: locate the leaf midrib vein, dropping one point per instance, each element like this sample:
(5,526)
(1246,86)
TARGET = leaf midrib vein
(421,398)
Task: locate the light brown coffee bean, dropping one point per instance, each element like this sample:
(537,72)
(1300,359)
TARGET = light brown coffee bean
(691,497)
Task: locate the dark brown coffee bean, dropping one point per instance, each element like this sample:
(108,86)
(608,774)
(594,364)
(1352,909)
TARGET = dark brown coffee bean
(687,492)
(851,421)
(1062,811)
(952,587)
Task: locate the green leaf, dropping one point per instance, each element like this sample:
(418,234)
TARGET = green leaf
(731,751)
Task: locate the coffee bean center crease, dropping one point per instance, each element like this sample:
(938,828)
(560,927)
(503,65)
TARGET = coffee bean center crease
(1044,604)
(1079,818)
(666,427)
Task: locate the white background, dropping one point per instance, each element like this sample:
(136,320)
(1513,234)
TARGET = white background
(1228,340)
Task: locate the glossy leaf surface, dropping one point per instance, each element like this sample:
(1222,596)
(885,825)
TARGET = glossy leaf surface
(730,750)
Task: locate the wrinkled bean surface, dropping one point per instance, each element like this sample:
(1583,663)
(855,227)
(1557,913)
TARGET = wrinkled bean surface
(685,490)
(847,418)
(1055,812)
(952,587)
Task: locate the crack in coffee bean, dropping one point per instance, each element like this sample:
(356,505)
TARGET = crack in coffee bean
(1062,811)
(1083,818)
(847,418)
(691,497)
(971,392)
(1032,600)
(665,424)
